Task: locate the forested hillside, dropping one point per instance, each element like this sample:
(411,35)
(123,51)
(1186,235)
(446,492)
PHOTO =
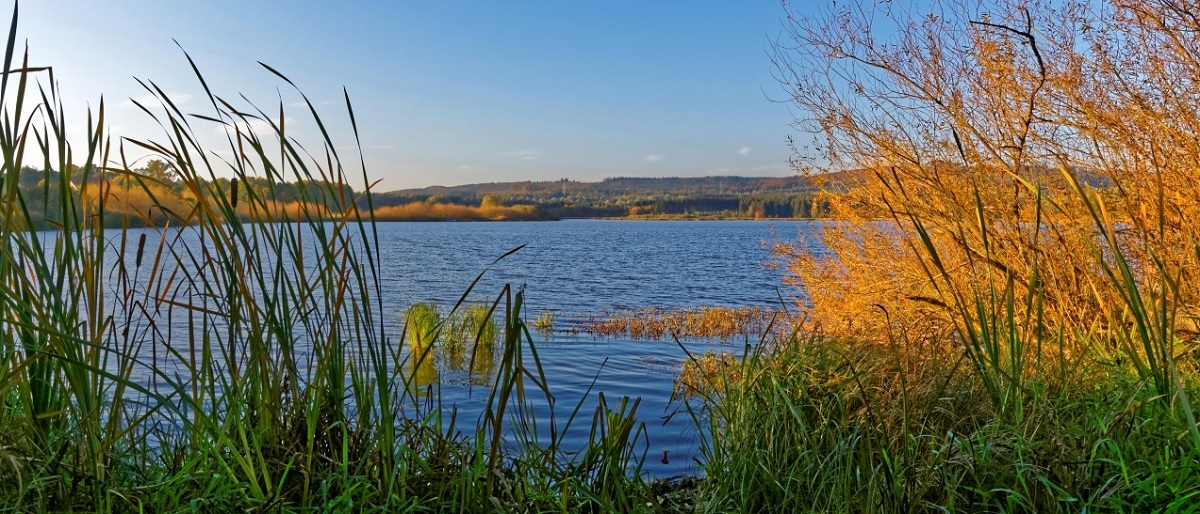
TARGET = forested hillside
(741,197)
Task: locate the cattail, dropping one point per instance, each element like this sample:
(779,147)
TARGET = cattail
(234,194)
(141,249)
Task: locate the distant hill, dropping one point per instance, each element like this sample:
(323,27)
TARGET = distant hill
(670,197)
(623,186)
(723,196)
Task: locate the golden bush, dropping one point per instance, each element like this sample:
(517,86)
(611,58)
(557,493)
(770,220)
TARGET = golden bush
(991,160)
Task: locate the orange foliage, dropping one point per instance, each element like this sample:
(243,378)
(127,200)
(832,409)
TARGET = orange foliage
(963,133)
(421,211)
(154,204)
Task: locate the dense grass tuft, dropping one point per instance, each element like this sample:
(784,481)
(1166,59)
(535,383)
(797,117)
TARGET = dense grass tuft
(823,425)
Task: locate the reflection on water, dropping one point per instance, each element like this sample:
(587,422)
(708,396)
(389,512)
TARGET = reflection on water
(422,371)
(463,343)
(474,361)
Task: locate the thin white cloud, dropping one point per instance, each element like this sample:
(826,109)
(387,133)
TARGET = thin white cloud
(528,155)
(653,157)
(744,151)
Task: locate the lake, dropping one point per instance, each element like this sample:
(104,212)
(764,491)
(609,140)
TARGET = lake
(574,269)
(582,268)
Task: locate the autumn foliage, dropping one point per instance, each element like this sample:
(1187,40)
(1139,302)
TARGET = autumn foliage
(425,211)
(1020,160)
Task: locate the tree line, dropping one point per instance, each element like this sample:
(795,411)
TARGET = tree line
(153,194)
(719,197)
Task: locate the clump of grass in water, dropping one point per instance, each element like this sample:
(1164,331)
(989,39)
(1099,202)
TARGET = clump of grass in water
(471,324)
(471,327)
(655,323)
(544,322)
(696,375)
(422,323)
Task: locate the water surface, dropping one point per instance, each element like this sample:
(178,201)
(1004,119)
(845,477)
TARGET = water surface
(579,268)
(574,268)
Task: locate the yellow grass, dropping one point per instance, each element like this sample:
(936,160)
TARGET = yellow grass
(653,323)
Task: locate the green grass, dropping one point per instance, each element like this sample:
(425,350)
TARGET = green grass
(423,324)
(253,370)
(820,425)
(472,324)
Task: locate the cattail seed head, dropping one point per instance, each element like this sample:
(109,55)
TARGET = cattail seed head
(233,195)
(141,249)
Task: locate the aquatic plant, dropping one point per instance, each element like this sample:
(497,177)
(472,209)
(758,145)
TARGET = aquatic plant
(472,328)
(423,324)
(696,375)
(544,322)
(704,322)
(235,356)
(473,324)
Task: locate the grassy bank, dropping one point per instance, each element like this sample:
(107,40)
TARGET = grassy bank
(821,425)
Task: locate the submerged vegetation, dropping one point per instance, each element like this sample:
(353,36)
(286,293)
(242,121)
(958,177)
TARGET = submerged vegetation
(704,322)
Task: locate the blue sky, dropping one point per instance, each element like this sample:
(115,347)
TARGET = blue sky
(453,92)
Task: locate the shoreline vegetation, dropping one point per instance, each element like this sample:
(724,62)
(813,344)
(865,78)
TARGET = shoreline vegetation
(154,195)
(1004,344)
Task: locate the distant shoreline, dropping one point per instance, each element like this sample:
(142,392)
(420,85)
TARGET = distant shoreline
(626,218)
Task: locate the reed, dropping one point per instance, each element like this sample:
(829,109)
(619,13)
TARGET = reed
(421,211)
(825,425)
(422,324)
(235,354)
